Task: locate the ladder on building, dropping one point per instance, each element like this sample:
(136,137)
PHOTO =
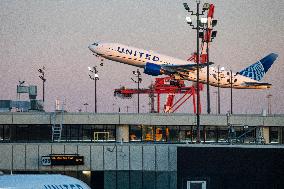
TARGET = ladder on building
(57,128)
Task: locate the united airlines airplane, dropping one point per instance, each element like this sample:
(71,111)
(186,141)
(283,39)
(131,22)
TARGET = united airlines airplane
(157,64)
(40,182)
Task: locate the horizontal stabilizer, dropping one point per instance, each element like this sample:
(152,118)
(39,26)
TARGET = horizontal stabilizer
(256,84)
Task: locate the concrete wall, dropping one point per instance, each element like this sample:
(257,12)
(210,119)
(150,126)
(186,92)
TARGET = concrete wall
(145,119)
(97,157)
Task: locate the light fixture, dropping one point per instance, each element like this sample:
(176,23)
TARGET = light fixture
(203,20)
(214,34)
(206,6)
(21,82)
(214,23)
(186,6)
(188,20)
(222,69)
(86,172)
(201,35)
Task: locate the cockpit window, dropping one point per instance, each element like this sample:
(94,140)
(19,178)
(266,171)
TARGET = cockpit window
(96,44)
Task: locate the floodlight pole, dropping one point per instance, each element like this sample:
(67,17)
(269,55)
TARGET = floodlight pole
(197,60)
(139,80)
(197,28)
(218,89)
(269,104)
(95,78)
(231,91)
(41,71)
(208,89)
(95,89)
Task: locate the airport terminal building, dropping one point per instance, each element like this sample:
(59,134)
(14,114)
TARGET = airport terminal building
(146,150)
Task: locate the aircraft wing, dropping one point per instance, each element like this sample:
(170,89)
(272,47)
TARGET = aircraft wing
(183,68)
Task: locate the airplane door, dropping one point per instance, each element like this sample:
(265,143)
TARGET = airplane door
(196,184)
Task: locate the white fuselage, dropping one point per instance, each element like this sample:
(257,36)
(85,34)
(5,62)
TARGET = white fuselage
(43,181)
(139,57)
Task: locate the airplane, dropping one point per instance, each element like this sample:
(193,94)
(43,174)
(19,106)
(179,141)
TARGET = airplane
(155,64)
(40,182)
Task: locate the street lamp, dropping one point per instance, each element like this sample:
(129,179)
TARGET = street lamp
(137,74)
(94,76)
(41,71)
(197,28)
(207,36)
(231,82)
(220,70)
(216,100)
(269,103)
(21,83)
(86,106)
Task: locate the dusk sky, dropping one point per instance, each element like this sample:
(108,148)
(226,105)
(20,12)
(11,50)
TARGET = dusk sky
(56,35)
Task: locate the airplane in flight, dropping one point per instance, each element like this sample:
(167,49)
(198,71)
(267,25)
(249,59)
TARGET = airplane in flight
(155,64)
(40,182)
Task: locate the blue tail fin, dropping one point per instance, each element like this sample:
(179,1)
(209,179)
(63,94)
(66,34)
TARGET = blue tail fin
(258,69)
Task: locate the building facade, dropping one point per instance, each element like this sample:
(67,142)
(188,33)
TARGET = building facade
(126,150)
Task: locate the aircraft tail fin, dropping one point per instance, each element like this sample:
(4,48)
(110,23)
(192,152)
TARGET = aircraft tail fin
(257,70)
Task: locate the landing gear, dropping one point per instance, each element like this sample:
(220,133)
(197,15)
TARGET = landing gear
(102,62)
(101,59)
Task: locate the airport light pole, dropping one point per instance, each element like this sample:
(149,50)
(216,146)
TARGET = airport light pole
(41,71)
(86,106)
(137,74)
(231,82)
(216,101)
(95,77)
(231,86)
(197,28)
(18,86)
(269,103)
(207,36)
(218,85)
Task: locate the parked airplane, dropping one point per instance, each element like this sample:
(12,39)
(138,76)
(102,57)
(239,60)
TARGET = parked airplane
(157,64)
(40,182)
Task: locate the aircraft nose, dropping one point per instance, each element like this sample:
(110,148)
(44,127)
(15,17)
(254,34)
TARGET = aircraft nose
(92,47)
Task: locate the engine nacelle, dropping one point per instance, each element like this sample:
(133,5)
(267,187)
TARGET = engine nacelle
(153,69)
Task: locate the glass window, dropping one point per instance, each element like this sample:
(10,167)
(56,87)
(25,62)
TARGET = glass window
(74,132)
(112,132)
(172,133)
(194,134)
(273,132)
(186,133)
(135,133)
(222,134)
(40,132)
(148,133)
(210,134)
(160,133)
(20,133)
(87,133)
(104,133)
(249,135)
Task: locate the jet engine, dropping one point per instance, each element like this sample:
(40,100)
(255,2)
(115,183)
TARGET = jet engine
(153,69)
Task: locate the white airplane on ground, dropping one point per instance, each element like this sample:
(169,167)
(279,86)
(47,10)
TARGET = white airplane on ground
(40,182)
(157,64)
